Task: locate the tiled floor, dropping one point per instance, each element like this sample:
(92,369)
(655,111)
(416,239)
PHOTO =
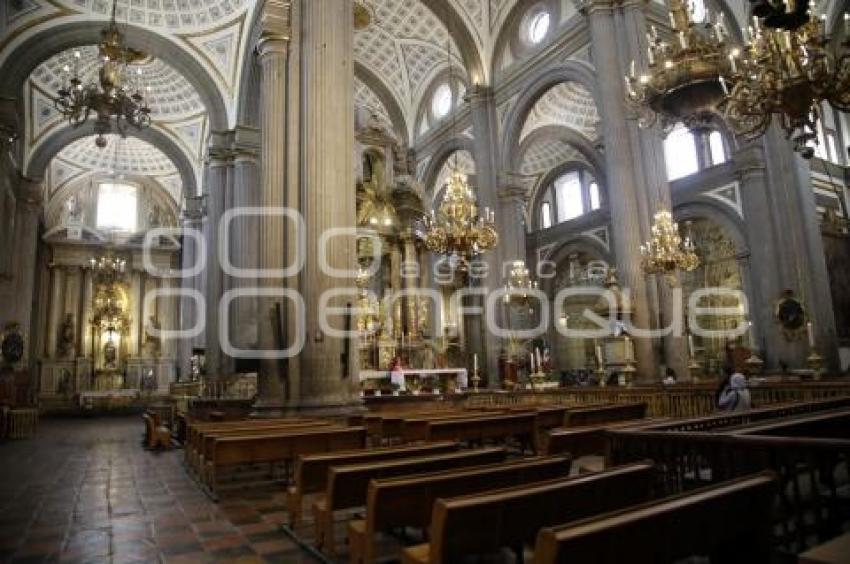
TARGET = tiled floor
(86,491)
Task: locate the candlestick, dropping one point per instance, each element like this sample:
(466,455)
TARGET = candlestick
(475,361)
(691,345)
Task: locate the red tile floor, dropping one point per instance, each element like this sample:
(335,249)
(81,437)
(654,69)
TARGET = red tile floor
(86,491)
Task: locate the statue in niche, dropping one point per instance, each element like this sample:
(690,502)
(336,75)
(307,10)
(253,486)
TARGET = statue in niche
(73,211)
(110,355)
(66,346)
(153,342)
(154,217)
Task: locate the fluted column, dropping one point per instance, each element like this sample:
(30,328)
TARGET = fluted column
(329,196)
(218,161)
(244,242)
(191,223)
(273,51)
(623,188)
(410,284)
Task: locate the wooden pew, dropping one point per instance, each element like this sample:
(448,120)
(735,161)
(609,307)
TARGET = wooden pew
(399,425)
(833,424)
(595,415)
(156,436)
(197,429)
(584,441)
(484,523)
(348,485)
(407,501)
(204,441)
(311,472)
(522,426)
(277,446)
(731,522)
(416,428)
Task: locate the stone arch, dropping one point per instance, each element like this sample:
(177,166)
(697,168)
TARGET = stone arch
(58,37)
(581,244)
(471,56)
(510,26)
(566,135)
(539,190)
(540,83)
(58,139)
(404,130)
(721,215)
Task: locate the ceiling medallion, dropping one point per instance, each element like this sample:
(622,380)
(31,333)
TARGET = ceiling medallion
(667,252)
(789,73)
(109,98)
(362,16)
(686,77)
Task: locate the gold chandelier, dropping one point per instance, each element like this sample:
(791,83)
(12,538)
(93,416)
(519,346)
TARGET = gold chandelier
(687,77)
(666,252)
(110,98)
(519,283)
(456,230)
(789,73)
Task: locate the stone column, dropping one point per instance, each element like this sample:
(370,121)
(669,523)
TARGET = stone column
(623,188)
(486,152)
(410,284)
(85,321)
(192,222)
(273,52)
(219,160)
(245,239)
(57,276)
(327,28)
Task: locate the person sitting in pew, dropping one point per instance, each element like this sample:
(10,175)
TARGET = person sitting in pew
(735,396)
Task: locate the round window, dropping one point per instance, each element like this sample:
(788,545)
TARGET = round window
(538,27)
(441,104)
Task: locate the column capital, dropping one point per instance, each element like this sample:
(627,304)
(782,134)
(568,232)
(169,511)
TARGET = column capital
(30,190)
(276,27)
(479,94)
(194,209)
(587,7)
(513,194)
(749,160)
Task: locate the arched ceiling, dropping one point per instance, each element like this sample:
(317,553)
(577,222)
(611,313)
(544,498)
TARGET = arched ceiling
(546,154)
(171,15)
(365,97)
(569,104)
(130,156)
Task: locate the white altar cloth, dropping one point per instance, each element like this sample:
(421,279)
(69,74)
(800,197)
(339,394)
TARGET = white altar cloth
(461,373)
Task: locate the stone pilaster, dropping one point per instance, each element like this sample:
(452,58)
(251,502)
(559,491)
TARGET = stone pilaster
(273,52)
(328,364)
(623,188)
(189,310)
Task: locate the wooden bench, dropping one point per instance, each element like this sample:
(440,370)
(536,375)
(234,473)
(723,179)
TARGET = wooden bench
(156,436)
(201,452)
(394,426)
(311,472)
(731,522)
(484,523)
(584,441)
(829,425)
(522,426)
(348,485)
(407,501)
(277,446)
(416,428)
(195,431)
(595,415)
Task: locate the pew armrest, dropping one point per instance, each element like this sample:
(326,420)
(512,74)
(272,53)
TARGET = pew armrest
(419,554)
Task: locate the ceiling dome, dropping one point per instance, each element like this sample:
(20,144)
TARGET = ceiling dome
(170,95)
(174,15)
(124,156)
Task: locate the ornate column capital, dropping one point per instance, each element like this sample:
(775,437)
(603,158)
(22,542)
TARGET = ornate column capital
(194,209)
(276,28)
(30,190)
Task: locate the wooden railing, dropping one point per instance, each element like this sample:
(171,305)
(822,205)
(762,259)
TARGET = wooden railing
(675,401)
(812,472)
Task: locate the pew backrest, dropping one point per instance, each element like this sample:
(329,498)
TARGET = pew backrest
(732,519)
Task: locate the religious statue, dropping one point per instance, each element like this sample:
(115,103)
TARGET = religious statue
(154,217)
(110,355)
(12,344)
(66,348)
(73,211)
(153,342)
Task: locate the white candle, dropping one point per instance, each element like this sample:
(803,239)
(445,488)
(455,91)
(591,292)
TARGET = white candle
(691,345)
(811,334)
(475,362)
(750,339)
(531,362)
(682,40)
(628,351)
(537,359)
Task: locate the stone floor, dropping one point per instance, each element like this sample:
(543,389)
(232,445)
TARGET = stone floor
(86,491)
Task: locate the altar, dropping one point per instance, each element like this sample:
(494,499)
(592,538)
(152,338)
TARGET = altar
(107,400)
(412,377)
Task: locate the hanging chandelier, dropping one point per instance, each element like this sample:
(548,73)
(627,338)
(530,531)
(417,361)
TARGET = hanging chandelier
(519,283)
(686,79)
(667,253)
(110,97)
(789,73)
(456,230)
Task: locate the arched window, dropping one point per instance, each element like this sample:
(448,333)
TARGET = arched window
(697,10)
(117,206)
(546,215)
(573,194)
(538,27)
(687,152)
(441,103)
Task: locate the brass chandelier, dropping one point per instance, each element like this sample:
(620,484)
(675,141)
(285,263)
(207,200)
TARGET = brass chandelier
(456,230)
(789,73)
(667,253)
(687,76)
(110,98)
(519,282)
